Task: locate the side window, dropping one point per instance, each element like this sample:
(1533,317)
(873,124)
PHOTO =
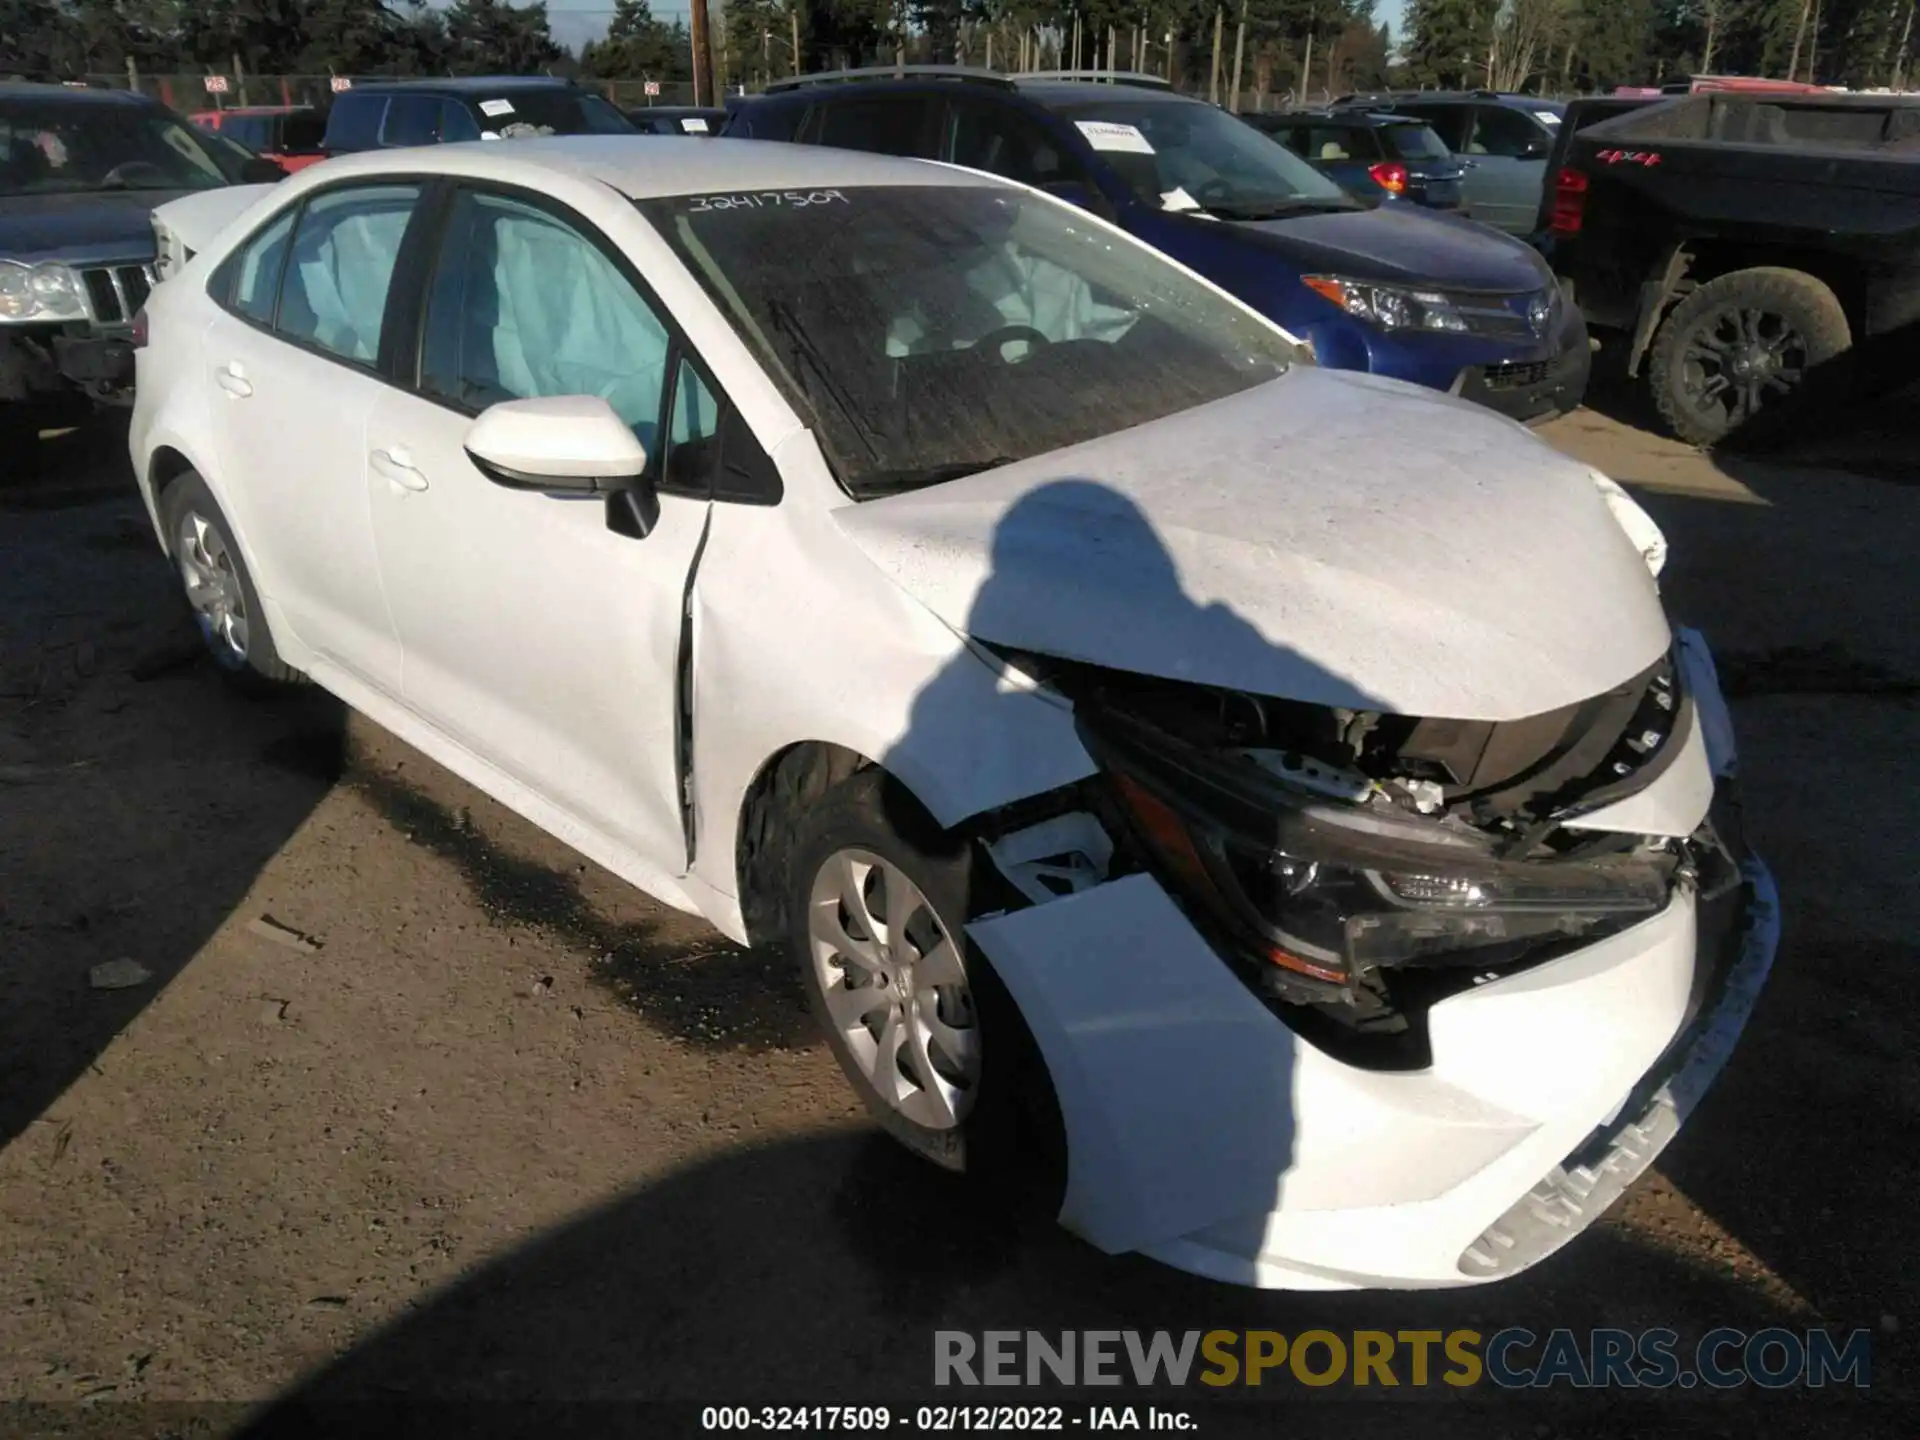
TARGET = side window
(1333,143)
(1498,131)
(354,122)
(301,132)
(344,250)
(693,434)
(411,120)
(457,123)
(522,305)
(884,125)
(1002,141)
(256,283)
(1448,121)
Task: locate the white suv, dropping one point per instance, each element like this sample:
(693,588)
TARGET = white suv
(1267,807)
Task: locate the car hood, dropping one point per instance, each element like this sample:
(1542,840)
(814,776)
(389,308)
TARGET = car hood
(1395,242)
(81,228)
(1327,537)
(196,219)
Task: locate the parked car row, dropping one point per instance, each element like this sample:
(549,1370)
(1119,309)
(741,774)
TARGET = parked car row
(1262,813)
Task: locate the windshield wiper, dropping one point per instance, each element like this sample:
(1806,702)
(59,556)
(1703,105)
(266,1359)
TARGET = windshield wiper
(894,482)
(1274,209)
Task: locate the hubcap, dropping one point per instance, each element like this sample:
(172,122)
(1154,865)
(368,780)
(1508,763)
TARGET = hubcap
(1737,359)
(213,588)
(895,987)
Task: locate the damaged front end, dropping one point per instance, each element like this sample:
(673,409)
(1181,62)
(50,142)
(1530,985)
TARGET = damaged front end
(1356,868)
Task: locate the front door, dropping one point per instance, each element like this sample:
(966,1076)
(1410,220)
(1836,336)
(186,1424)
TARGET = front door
(1508,153)
(533,634)
(294,354)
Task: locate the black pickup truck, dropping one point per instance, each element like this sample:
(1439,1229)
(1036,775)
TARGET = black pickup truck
(1745,248)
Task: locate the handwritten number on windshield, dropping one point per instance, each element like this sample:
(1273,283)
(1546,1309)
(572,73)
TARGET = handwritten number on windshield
(764,200)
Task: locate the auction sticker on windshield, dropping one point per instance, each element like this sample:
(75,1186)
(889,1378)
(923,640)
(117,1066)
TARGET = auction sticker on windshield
(694,125)
(1112,135)
(764,199)
(496,107)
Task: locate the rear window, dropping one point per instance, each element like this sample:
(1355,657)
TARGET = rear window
(301,131)
(548,112)
(1413,142)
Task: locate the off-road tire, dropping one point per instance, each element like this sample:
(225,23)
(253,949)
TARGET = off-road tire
(1803,302)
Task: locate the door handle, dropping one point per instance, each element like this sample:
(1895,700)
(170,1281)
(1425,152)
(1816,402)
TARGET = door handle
(396,465)
(232,379)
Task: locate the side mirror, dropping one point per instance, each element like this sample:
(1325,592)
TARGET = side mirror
(258,170)
(563,445)
(1538,148)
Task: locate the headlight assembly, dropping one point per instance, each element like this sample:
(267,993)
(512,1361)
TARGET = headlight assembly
(48,291)
(1391,307)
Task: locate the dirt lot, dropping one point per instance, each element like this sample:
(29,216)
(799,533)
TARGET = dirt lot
(513,1132)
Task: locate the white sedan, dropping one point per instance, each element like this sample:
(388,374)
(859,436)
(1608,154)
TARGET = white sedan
(1266,809)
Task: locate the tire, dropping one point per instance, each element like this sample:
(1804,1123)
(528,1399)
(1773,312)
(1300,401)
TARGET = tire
(1752,345)
(213,577)
(1004,1128)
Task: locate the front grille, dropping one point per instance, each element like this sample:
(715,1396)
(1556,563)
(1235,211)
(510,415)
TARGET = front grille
(1517,377)
(116,291)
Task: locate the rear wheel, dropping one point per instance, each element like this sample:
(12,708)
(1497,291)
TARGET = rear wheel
(1745,343)
(879,897)
(218,588)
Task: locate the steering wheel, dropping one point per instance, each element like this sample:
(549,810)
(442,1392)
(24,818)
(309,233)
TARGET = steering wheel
(131,172)
(995,341)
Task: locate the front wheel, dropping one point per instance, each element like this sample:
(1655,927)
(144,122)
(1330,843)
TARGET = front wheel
(937,1049)
(1743,343)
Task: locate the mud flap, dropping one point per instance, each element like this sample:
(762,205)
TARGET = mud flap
(1175,1083)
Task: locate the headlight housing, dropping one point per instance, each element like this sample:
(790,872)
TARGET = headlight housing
(1391,307)
(48,291)
(1320,894)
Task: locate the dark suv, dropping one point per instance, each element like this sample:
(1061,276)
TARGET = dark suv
(442,112)
(1413,294)
(1372,156)
(1503,139)
(81,172)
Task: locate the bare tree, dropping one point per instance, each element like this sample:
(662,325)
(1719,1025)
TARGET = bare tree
(1523,31)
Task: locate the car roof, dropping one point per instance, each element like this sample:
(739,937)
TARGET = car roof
(1339,117)
(639,167)
(79,94)
(466,84)
(1063,94)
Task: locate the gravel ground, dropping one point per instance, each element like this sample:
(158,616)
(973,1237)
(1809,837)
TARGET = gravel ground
(413,1103)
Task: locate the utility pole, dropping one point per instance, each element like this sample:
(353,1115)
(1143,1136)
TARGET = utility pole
(1213,75)
(793,15)
(1306,72)
(1076,41)
(702,57)
(1813,45)
(1799,38)
(1239,50)
(1900,55)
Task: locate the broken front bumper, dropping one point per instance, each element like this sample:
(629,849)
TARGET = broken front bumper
(1205,1132)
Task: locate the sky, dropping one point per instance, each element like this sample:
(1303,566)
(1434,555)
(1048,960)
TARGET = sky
(577,21)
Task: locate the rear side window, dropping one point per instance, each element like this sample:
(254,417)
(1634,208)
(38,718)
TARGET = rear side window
(256,282)
(355,122)
(344,249)
(1334,143)
(764,122)
(883,125)
(301,132)
(411,120)
(1412,142)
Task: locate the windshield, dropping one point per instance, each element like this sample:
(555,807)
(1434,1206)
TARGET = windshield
(1413,142)
(934,331)
(1190,156)
(555,111)
(51,148)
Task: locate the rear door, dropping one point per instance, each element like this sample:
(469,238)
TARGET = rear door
(1508,148)
(295,356)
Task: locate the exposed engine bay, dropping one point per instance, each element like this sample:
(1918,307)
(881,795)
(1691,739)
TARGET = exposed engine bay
(1357,867)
